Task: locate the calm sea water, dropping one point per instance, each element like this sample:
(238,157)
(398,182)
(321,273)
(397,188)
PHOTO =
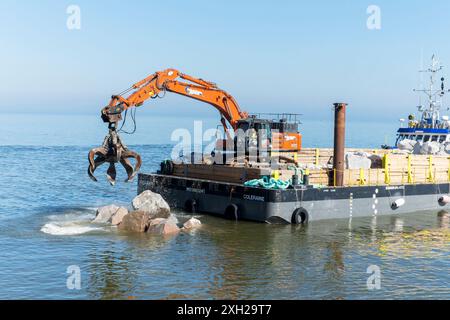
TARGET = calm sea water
(47,202)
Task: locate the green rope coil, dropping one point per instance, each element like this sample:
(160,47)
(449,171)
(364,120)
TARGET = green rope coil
(268,183)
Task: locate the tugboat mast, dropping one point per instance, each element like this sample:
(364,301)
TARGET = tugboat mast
(430,127)
(431,114)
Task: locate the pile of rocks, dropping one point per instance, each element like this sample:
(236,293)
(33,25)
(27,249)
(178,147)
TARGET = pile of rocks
(150,214)
(429,147)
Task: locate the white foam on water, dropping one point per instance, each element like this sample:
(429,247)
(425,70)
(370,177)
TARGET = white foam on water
(70,223)
(59,230)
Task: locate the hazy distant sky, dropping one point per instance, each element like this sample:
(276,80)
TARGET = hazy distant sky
(270,55)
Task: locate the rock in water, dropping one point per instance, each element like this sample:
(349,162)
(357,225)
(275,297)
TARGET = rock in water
(104,214)
(118,216)
(156,221)
(135,221)
(161,226)
(173,218)
(152,203)
(192,223)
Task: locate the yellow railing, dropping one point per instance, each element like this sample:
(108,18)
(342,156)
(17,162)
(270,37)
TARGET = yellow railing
(396,169)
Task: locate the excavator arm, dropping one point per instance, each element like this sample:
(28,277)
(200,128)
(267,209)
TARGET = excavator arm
(167,80)
(113,150)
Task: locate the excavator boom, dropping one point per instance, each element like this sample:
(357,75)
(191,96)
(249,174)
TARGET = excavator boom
(167,80)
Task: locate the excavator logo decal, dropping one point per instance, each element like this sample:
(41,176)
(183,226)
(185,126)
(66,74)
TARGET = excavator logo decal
(193,92)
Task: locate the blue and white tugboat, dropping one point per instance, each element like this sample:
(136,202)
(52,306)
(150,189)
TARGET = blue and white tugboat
(430,126)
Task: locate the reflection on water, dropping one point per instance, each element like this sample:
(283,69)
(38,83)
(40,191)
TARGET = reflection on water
(426,243)
(221,260)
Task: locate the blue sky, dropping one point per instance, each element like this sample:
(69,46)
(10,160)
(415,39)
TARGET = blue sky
(272,56)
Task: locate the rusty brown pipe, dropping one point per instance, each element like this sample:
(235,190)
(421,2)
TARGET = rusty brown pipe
(339,144)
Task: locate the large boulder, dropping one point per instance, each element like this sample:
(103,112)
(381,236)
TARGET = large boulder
(429,147)
(153,204)
(376,161)
(192,223)
(446,149)
(161,226)
(117,218)
(432,147)
(417,148)
(104,214)
(357,160)
(135,221)
(173,218)
(406,144)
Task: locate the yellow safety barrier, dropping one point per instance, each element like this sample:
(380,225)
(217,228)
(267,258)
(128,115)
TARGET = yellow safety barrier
(396,169)
(387,177)
(448,169)
(430,176)
(362,179)
(276,174)
(410,177)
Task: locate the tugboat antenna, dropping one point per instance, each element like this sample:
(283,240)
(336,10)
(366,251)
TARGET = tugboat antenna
(431,113)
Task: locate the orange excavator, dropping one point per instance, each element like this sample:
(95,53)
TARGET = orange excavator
(280,135)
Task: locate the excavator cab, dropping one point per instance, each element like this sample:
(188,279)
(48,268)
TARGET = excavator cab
(276,132)
(257,138)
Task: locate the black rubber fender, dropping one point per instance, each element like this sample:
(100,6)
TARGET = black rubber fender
(300,216)
(232,212)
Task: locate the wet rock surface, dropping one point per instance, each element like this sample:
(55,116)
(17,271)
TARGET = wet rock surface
(192,223)
(161,226)
(104,214)
(153,204)
(118,216)
(151,214)
(135,221)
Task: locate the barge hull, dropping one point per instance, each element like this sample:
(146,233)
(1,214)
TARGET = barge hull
(267,205)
